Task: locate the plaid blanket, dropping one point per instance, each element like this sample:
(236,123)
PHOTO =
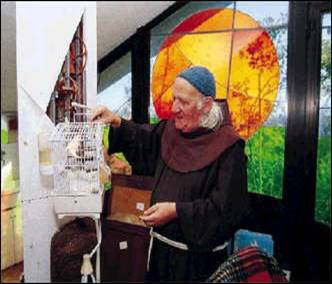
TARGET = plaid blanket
(249,265)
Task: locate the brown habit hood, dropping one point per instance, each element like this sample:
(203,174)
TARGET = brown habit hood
(185,152)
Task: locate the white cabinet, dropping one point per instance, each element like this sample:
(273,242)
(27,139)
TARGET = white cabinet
(11,230)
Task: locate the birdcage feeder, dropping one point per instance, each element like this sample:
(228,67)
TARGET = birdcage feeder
(77,156)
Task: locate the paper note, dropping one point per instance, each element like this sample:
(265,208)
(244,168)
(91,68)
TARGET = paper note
(123,245)
(140,206)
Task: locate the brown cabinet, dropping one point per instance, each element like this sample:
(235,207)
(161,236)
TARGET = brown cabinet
(124,252)
(125,241)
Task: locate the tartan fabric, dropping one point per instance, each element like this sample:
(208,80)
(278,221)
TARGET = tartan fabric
(249,265)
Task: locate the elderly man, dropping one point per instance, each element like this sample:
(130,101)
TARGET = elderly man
(200,180)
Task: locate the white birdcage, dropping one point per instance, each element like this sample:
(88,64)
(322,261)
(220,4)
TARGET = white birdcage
(77,157)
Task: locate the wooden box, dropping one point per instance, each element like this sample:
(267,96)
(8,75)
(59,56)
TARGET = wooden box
(129,197)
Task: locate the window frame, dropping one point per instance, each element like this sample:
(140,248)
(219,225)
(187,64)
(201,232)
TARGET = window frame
(303,83)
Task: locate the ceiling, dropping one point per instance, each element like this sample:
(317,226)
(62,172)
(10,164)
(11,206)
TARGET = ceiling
(116,21)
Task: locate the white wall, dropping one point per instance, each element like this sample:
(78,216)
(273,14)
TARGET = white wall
(44,31)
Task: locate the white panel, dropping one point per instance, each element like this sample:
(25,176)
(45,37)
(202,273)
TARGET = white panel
(44,31)
(32,120)
(39,225)
(90,204)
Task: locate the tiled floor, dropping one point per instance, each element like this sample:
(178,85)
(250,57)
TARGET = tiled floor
(12,274)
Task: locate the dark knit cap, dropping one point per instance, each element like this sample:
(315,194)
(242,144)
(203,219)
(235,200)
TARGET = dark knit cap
(201,78)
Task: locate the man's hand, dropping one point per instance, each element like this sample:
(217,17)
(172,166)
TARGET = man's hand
(159,214)
(103,115)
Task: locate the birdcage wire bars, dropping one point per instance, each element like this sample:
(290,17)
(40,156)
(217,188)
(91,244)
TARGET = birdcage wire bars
(77,154)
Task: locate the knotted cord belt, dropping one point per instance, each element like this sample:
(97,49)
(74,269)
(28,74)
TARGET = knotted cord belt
(173,244)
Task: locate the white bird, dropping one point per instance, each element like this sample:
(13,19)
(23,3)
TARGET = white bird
(73,146)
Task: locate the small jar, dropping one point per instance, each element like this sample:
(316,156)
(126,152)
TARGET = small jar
(45,154)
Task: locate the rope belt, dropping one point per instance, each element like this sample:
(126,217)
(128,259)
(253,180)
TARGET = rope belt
(173,244)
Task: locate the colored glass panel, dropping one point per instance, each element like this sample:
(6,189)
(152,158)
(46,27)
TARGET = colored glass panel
(253,83)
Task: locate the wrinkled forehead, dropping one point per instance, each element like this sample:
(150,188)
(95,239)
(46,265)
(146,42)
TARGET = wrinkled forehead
(184,90)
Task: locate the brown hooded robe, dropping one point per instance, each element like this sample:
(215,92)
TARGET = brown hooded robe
(204,172)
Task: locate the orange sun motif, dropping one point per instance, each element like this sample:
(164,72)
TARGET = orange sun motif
(244,63)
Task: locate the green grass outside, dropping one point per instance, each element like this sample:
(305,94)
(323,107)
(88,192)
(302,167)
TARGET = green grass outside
(265,151)
(323,181)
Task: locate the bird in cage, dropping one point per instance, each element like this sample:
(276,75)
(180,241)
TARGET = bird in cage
(73,147)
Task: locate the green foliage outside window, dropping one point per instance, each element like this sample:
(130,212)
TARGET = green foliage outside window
(323,173)
(154,120)
(265,151)
(323,181)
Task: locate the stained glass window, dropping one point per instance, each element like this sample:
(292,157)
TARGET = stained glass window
(165,28)
(323,176)
(247,55)
(265,148)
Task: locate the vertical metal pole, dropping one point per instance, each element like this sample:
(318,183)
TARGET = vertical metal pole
(77,67)
(67,69)
(67,84)
(52,106)
(98,231)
